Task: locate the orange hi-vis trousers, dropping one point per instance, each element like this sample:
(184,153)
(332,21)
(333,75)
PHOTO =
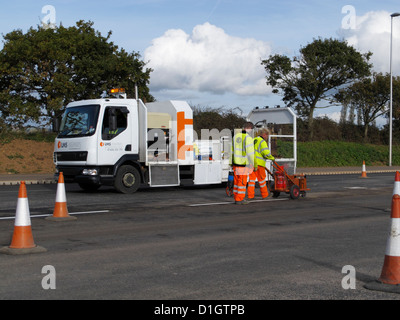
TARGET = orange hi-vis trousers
(240,177)
(261,175)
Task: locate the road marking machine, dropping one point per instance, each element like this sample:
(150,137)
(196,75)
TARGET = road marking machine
(278,177)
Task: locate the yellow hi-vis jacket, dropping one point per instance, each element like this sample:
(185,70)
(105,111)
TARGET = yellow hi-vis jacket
(196,151)
(262,152)
(242,150)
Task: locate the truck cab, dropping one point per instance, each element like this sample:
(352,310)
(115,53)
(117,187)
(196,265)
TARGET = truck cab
(96,135)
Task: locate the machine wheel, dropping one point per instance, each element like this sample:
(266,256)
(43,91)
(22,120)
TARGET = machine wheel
(127,179)
(294,192)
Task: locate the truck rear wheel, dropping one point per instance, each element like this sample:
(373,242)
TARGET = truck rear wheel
(127,179)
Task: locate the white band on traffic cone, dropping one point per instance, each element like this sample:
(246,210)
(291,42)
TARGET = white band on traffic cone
(60,196)
(396,188)
(393,241)
(22,215)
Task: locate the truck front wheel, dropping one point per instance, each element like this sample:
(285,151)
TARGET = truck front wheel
(127,179)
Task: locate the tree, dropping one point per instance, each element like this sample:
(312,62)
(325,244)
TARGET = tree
(322,67)
(369,97)
(44,69)
(220,119)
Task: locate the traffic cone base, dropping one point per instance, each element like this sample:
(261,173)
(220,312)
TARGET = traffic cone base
(53,218)
(383,287)
(14,251)
(391,271)
(22,238)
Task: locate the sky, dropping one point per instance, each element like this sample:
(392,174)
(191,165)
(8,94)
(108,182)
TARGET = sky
(209,52)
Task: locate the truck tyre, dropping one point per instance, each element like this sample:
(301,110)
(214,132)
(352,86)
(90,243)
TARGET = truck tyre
(127,179)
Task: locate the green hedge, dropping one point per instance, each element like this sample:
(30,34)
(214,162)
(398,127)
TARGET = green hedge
(339,154)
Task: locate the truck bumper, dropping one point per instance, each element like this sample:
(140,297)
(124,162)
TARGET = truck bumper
(73,174)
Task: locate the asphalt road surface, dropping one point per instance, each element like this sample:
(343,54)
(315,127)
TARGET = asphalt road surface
(193,243)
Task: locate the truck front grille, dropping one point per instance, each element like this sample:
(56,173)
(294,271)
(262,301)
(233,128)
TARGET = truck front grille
(71,156)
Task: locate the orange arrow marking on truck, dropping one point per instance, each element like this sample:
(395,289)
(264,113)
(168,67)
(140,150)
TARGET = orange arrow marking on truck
(181,123)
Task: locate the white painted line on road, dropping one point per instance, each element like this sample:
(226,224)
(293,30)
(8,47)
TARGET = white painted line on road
(222,203)
(47,215)
(209,204)
(86,212)
(356,188)
(266,200)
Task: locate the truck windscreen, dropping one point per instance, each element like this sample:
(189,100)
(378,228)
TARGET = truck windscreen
(79,121)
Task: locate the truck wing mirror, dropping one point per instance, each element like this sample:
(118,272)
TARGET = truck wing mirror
(56,124)
(112,120)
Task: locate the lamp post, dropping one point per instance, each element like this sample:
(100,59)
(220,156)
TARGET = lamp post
(393,15)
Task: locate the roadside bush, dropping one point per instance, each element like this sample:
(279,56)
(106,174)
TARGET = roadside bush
(341,153)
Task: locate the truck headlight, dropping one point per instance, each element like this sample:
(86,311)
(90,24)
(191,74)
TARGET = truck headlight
(90,172)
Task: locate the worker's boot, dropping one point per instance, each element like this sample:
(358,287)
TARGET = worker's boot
(242,202)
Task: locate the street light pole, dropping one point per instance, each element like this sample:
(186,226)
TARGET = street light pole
(393,15)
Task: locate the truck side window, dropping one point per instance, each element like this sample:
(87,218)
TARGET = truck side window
(114,122)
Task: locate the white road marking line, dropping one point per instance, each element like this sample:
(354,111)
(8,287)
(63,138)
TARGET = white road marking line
(356,188)
(222,203)
(86,212)
(47,215)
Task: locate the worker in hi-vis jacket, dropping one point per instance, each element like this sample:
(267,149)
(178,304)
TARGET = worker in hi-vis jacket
(242,160)
(262,153)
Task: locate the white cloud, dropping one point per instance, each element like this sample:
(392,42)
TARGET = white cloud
(207,60)
(372,33)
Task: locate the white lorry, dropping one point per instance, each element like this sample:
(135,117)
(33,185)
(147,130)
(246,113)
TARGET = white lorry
(125,143)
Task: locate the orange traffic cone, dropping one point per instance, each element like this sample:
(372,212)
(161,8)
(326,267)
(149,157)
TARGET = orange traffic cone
(391,267)
(389,281)
(60,212)
(364,171)
(22,239)
(396,188)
